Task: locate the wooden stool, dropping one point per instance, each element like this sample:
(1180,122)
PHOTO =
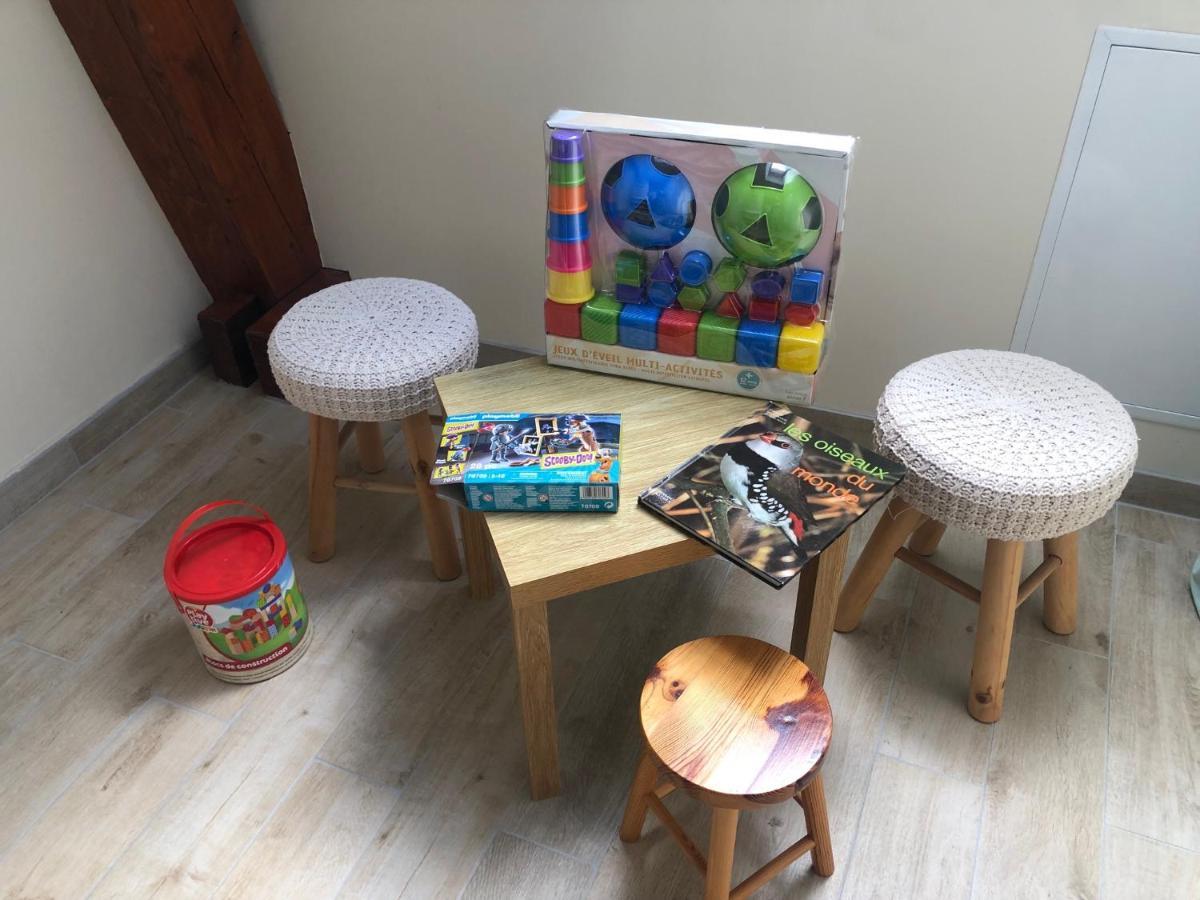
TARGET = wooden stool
(739,724)
(1008,446)
(364,352)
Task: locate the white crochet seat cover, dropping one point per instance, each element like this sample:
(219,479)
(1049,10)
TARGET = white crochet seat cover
(1007,445)
(368,350)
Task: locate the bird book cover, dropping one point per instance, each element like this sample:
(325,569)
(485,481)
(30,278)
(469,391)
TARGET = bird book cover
(773,492)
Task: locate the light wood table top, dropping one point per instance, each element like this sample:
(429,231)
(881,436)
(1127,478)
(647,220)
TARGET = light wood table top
(661,426)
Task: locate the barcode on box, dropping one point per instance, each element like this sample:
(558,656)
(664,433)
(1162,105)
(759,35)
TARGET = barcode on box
(595,492)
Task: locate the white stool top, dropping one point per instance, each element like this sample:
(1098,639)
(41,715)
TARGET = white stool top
(1007,445)
(368,350)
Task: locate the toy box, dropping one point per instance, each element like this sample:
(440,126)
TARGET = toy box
(694,254)
(533,462)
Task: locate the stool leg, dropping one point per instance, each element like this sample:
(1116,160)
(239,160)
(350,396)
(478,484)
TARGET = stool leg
(322,494)
(477,548)
(721,841)
(993,635)
(898,522)
(635,808)
(1060,607)
(369,437)
(925,539)
(816,817)
(443,548)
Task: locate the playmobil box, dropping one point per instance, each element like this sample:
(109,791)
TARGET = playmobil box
(694,254)
(532,462)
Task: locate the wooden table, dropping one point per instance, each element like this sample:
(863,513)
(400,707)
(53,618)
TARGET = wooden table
(546,557)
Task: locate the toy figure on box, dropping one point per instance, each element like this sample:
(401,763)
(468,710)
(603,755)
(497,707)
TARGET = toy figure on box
(712,263)
(580,431)
(502,442)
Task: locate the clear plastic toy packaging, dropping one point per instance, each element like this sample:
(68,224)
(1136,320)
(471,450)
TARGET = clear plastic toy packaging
(694,254)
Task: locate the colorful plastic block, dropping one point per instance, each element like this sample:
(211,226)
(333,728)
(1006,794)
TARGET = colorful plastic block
(695,268)
(801,313)
(767,284)
(730,274)
(662,293)
(731,306)
(800,347)
(806,285)
(562,319)
(677,332)
(664,270)
(598,319)
(716,337)
(630,268)
(764,310)
(569,287)
(638,327)
(757,343)
(628,293)
(694,296)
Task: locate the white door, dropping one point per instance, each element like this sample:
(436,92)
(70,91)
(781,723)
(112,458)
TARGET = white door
(1115,288)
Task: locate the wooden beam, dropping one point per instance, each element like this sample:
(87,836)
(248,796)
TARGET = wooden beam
(938,574)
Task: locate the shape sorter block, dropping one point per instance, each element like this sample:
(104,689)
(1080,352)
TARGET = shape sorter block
(599,319)
(757,343)
(800,347)
(716,337)
(664,270)
(662,293)
(677,332)
(631,293)
(630,268)
(563,319)
(731,306)
(806,285)
(801,313)
(638,327)
(767,284)
(729,275)
(764,310)
(695,268)
(693,296)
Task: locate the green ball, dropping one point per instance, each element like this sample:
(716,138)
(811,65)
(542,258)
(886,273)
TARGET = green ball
(767,215)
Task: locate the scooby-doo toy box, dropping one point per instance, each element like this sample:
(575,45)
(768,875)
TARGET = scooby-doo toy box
(533,462)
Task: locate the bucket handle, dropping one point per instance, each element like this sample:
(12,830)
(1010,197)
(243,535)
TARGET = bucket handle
(198,514)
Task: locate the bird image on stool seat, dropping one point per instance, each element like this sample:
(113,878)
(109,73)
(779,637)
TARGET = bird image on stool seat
(758,475)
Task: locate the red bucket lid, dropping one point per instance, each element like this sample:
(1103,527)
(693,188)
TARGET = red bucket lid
(224,559)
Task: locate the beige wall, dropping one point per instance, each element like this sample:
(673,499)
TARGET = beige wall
(95,289)
(417,129)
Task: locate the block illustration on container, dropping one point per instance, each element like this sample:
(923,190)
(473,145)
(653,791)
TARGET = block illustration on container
(598,320)
(638,327)
(800,347)
(677,332)
(757,343)
(716,337)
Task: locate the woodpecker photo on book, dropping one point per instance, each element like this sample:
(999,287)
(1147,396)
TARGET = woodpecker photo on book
(773,492)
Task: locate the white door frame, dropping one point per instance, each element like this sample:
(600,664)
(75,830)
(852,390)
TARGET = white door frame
(1106,38)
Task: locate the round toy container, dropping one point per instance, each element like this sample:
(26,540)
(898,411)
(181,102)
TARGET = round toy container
(233,582)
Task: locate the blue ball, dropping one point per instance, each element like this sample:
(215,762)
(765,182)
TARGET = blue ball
(648,202)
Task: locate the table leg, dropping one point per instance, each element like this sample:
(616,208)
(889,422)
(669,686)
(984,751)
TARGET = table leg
(531,630)
(819,584)
(477,547)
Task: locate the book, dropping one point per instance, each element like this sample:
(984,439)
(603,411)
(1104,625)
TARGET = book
(773,492)
(532,462)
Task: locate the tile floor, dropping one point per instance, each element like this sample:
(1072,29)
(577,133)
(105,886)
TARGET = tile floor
(389,762)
